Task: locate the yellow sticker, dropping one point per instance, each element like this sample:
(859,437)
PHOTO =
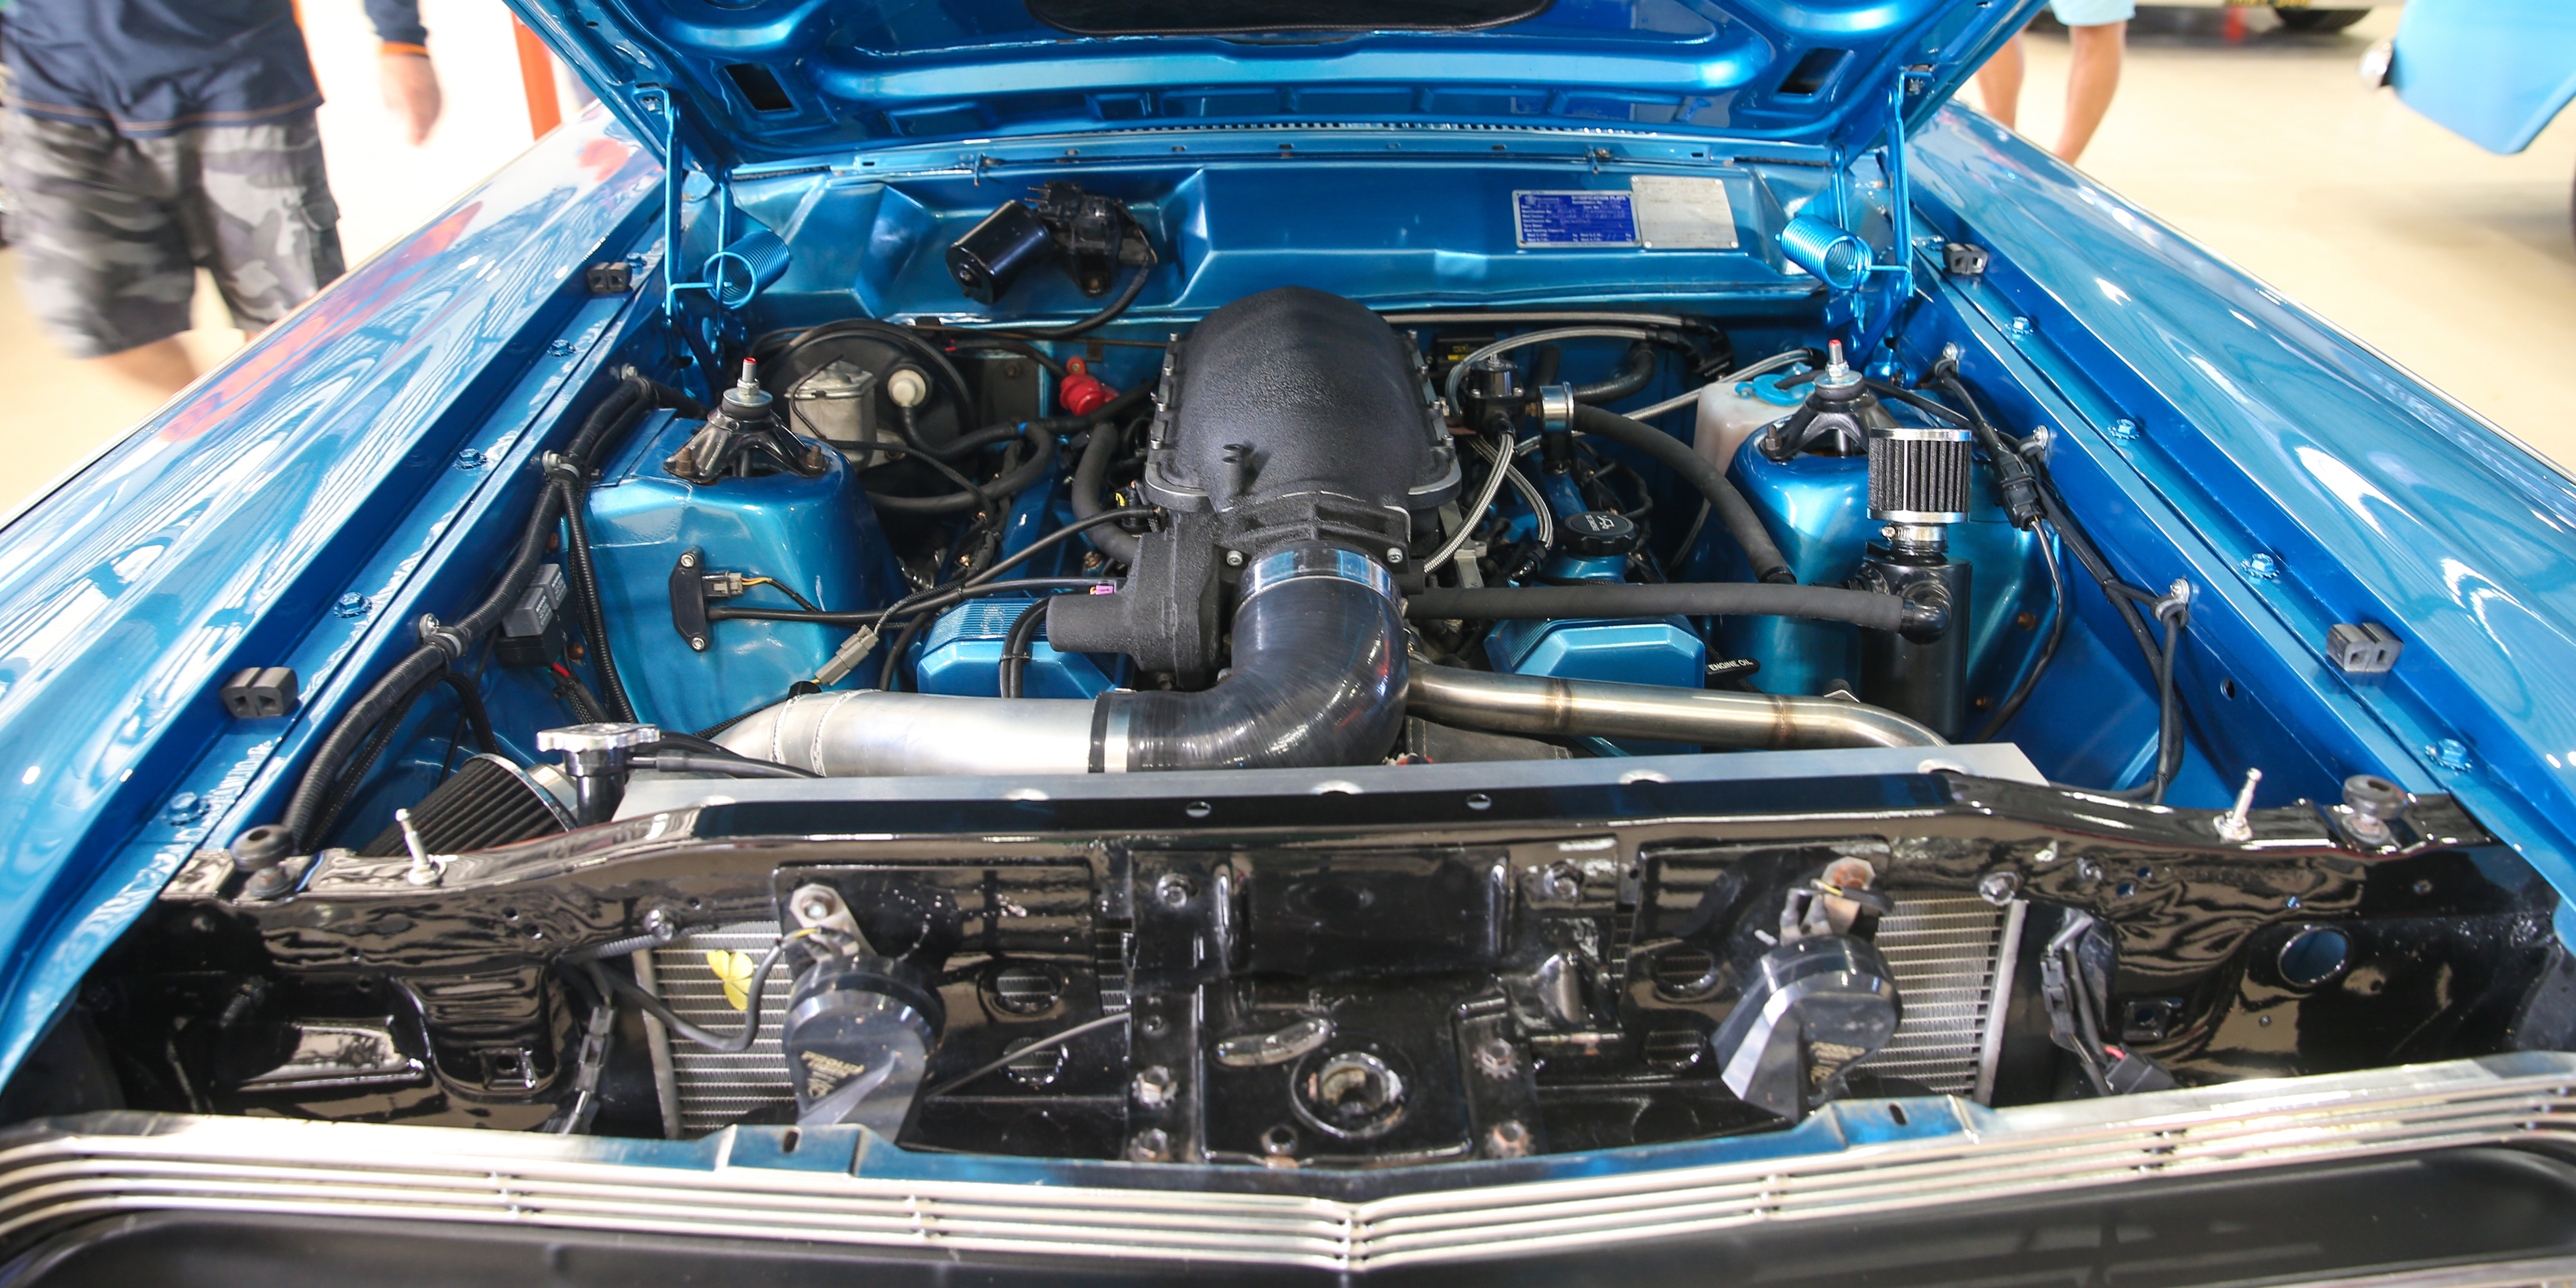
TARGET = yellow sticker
(733,970)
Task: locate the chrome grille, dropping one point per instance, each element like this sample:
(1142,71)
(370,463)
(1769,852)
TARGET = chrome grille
(713,1090)
(1952,958)
(833,1185)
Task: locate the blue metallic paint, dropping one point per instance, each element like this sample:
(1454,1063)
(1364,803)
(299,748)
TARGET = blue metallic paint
(850,74)
(2496,72)
(322,461)
(2260,429)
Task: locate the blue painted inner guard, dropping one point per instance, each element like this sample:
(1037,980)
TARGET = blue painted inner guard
(817,535)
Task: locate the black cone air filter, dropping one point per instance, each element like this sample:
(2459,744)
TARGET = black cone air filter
(487,802)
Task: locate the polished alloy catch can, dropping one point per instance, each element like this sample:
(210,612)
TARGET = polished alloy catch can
(1919,475)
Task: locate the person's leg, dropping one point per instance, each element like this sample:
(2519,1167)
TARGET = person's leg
(103,264)
(2092,77)
(1999,83)
(162,366)
(260,216)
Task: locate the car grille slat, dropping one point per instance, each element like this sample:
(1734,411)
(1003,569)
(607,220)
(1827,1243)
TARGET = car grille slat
(124,1163)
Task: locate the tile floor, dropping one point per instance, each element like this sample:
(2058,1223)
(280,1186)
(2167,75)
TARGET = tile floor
(2457,264)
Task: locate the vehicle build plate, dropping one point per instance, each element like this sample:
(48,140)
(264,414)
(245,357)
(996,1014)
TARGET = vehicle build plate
(1659,212)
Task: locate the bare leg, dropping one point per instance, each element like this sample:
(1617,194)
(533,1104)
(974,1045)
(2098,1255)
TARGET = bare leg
(1999,83)
(2091,80)
(162,366)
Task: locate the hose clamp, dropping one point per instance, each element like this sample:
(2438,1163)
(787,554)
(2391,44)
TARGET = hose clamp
(1555,409)
(1300,562)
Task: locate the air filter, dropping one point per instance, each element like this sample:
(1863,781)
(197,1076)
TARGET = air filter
(1919,475)
(487,802)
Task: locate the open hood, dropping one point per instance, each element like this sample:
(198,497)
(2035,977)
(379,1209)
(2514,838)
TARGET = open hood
(782,80)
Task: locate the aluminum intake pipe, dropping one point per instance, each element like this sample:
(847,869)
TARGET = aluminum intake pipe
(1318,679)
(1530,704)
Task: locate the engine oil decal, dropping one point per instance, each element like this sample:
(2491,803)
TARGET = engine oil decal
(1678,212)
(1566,218)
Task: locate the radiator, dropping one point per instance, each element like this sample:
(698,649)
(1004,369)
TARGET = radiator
(1952,957)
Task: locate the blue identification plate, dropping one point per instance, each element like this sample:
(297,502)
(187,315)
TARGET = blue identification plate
(1574,219)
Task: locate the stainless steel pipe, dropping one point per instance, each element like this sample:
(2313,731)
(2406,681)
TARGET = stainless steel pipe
(1532,704)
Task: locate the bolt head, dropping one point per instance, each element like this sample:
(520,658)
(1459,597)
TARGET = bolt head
(1395,554)
(2021,326)
(2451,754)
(698,642)
(1233,558)
(662,924)
(1174,890)
(814,908)
(1999,887)
(689,560)
(352,604)
(185,807)
(1152,1145)
(1154,1087)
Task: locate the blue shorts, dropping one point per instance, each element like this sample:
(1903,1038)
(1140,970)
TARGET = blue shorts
(2092,13)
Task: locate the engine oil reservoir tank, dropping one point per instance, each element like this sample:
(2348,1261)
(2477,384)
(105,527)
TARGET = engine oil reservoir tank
(961,654)
(1817,509)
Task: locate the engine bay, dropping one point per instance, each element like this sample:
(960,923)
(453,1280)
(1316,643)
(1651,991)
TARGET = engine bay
(1318,736)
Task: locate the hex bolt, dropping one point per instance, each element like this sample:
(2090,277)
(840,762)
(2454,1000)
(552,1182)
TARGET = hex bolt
(814,906)
(1174,890)
(1395,554)
(469,459)
(1561,880)
(689,559)
(1999,887)
(351,604)
(1496,1059)
(1154,1087)
(662,924)
(1233,558)
(1507,1139)
(1152,1145)
(184,808)
(698,642)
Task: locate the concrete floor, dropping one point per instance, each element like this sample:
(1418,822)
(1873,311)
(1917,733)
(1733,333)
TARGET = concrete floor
(2457,264)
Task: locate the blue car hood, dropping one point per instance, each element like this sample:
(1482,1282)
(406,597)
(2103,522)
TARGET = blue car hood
(764,81)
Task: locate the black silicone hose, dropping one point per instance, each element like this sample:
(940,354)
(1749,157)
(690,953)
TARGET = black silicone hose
(1318,679)
(584,576)
(1041,459)
(1019,645)
(1711,482)
(1093,470)
(1635,371)
(1864,608)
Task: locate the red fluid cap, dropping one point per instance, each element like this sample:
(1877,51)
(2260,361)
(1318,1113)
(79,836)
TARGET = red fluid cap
(1080,394)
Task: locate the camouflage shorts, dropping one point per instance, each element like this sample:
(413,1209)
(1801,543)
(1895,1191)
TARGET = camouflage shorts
(110,230)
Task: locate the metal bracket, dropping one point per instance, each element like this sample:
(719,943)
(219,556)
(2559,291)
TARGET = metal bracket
(689,598)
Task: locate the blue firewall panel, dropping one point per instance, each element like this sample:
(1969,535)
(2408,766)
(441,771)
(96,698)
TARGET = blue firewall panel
(961,654)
